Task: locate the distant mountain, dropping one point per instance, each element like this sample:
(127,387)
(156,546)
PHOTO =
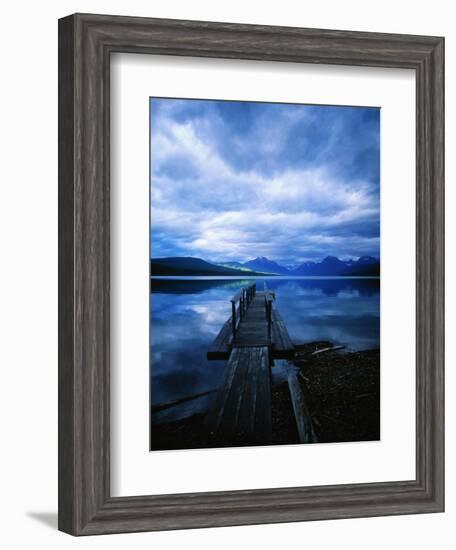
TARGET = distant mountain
(266,266)
(332,266)
(329,266)
(192,267)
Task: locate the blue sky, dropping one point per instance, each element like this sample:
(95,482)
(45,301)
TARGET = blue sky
(237,180)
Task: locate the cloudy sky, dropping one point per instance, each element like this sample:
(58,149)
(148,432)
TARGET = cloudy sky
(237,180)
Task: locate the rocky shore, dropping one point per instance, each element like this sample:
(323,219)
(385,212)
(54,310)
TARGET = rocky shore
(342,391)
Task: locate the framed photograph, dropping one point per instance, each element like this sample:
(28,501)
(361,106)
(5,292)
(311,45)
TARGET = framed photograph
(251,274)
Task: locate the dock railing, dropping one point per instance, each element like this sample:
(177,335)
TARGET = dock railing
(254,322)
(243,297)
(269,297)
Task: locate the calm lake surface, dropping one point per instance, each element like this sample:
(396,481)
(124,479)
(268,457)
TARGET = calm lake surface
(187,314)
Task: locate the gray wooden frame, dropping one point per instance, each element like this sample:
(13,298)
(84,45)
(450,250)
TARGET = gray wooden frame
(85,45)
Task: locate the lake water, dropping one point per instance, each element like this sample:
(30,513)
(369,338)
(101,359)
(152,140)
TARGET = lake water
(187,314)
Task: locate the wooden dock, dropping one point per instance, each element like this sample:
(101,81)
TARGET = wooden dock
(250,339)
(254,322)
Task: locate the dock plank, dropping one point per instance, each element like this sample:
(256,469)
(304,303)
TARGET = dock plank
(263,421)
(253,329)
(241,410)
(219,404)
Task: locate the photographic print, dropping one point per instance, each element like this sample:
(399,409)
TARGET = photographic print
(264,273)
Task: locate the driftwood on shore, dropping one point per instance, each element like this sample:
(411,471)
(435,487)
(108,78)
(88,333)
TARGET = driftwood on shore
(324,350)
(169,404)
(303,420)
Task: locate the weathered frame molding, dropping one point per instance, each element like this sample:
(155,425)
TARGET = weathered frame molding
(85,45)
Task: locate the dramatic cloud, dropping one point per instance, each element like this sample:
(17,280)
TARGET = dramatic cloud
(235,180)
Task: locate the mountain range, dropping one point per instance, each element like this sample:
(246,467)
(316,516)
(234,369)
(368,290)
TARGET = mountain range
(329,266)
